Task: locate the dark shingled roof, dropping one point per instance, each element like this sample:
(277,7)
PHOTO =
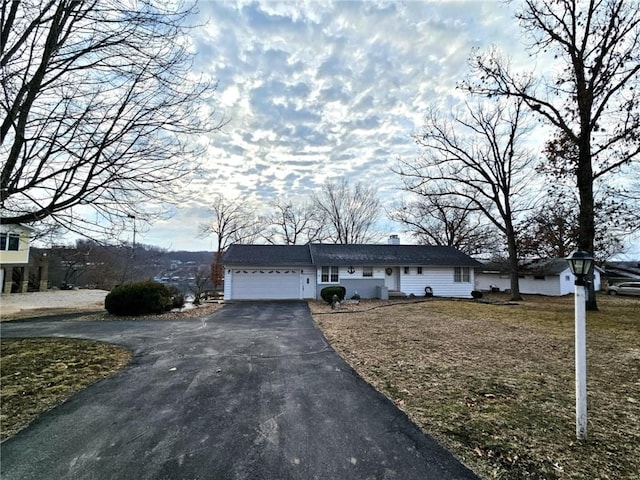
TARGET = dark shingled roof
(265,255)
(330,254)
(540,266)
(400,255)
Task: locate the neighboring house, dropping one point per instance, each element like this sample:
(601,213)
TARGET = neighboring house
(617,272)
(18,272)
(538,277)
(256,272)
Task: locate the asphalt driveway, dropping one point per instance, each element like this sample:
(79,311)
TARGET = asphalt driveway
(251,392)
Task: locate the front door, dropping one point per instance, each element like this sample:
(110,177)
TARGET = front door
(308,285)
(391,278)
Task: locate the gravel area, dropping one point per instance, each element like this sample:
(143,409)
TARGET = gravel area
(21,304)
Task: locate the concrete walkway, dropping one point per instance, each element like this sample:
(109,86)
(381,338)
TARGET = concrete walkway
(251,392)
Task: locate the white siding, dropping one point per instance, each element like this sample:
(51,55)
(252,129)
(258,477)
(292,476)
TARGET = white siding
(484,281)
(439,279)
(552,285)
(343,274)
(228,279)
(549,286)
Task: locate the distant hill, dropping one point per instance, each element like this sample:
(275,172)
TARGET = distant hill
(200,258)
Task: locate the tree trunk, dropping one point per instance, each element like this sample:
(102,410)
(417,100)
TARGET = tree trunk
(586,216)
(513,266)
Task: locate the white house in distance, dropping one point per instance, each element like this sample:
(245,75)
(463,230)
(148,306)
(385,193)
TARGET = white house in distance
(536,277)
(260,272)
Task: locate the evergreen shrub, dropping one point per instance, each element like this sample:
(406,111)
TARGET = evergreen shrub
(327,293)
(139,299)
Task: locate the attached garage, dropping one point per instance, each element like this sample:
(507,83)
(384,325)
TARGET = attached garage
(264,283)
(268,272)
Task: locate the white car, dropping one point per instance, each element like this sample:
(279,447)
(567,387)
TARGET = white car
(627,288)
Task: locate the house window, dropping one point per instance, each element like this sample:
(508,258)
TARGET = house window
(461,275)
(329,274)
(419,270)
(367,271)
(406,270)
(9,241)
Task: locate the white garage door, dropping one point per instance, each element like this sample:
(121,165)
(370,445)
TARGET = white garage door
(265,284)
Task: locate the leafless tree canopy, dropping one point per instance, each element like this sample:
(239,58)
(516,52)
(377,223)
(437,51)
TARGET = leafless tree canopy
(291,224)
(349,212)
(592,98)
(232,222)
(476,161)
(98,103)
(433,221)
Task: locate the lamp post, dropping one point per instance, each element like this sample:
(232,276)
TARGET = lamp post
(580,264)
(133,217)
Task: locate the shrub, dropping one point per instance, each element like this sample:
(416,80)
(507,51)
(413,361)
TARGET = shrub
(327,293)
(139,299)
(476,294)
(177,297)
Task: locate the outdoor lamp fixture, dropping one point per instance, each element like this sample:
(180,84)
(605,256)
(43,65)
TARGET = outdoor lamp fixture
(580,264)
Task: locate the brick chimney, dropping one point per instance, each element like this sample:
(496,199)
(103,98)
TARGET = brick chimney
(394,240)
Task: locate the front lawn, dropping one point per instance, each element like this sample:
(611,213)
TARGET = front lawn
(495,382)
(40,373)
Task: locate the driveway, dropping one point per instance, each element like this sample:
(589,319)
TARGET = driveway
(251,392)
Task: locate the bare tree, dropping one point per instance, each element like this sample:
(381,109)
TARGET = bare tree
(232,222)
(349,212)
(291,224)
(476,160)
(200,280)
(433,221)
(98,102)
(592,97)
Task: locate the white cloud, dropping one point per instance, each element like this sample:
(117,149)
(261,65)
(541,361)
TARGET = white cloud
(315,90)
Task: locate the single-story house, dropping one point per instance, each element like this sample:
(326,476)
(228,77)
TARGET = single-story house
(257,272)
(536,277)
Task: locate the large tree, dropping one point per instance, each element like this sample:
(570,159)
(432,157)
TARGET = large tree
(348,211)
(476,160)
(99,100)
(591,92)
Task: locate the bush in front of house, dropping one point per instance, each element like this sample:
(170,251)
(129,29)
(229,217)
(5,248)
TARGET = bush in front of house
(139,299)
(476,294)
(327,293)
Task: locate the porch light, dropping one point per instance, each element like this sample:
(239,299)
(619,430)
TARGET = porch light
(580,263)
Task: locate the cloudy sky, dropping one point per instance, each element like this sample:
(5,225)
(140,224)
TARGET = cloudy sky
(318,90)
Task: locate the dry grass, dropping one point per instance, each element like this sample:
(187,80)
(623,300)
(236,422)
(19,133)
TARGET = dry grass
(40,373)
(495,382)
